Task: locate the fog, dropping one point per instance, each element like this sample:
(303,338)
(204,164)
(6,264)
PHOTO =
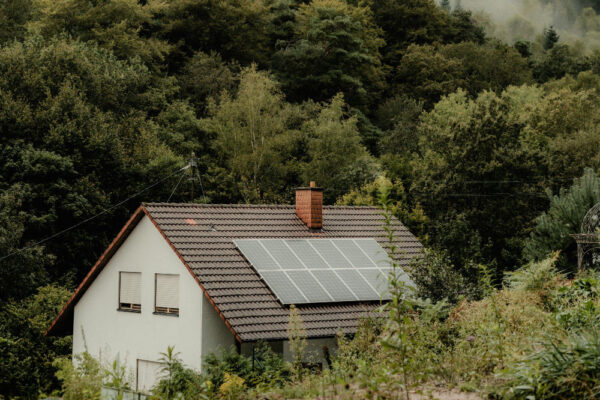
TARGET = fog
(577,22)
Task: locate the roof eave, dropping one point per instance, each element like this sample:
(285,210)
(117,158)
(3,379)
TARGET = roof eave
(63,323)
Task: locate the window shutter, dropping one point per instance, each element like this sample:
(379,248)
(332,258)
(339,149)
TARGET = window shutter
(130,288)
(167,291)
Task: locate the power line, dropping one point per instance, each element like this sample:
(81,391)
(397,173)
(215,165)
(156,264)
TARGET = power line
(94,216)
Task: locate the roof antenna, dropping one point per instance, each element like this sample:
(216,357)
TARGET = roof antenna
(195,174)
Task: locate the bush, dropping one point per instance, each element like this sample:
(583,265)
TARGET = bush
(569,370)
(267,370)
(81,379)
(437,279)
(179,381)
(540,275)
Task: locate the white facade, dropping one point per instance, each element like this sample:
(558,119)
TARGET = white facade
(137,338)
(109,334)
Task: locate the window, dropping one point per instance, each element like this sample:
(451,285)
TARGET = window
(166,299)
(130,291)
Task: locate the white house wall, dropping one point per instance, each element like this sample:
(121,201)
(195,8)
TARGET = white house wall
(109,334)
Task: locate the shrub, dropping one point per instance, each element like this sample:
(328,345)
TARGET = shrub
(82,379)
(541,275)
(267,370)
(179,381)
(569,370)
(437,278)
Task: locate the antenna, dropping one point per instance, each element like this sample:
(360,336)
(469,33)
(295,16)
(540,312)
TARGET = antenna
(195,174)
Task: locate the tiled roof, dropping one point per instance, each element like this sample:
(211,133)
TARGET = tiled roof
(203,236)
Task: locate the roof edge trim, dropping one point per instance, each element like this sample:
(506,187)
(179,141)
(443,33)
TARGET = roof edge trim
(210,300)
(94,272)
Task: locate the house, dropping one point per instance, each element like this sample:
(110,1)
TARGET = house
(203,276)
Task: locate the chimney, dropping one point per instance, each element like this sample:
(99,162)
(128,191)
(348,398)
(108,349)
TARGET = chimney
(309,206)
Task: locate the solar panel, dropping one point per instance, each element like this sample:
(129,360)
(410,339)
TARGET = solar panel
(303,271)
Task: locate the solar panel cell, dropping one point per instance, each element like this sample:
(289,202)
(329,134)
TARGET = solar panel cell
(309,255)
(353,253)
(374,251)
(334,285)
(257,255)
(330,253)
(282,254)
(359,286)
(283,288)
(310,287)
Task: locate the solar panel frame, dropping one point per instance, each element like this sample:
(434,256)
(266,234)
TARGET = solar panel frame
(296,279)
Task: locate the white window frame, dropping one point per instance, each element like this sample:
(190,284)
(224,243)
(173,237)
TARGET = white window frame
(131,307)
(174,311)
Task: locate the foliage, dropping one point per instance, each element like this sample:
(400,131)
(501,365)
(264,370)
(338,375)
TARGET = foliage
(476,177)
(23,344)
(264,368)
(564,217)
(335,49)
(534,276)
(81,378)
(297,340)
(560,370)
(177,380)
(117,25)
(232,386)
(438,279)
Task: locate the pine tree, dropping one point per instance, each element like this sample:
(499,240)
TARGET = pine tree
(550,38)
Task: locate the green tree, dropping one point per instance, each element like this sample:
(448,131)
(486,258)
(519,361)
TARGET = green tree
(14,15)
(563,218)
(428,72)
(75,137)
(117,25)
(26,355)
(253,136)
(206,75)
(337,161)
(476,180)
(550,38)
(236,29)
(335,49)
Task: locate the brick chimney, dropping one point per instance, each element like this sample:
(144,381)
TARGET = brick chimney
(309,206)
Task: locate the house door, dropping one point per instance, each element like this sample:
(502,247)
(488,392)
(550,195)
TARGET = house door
(148,374)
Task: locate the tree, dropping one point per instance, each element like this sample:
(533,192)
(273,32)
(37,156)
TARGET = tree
(550,38)
(335,49)
(75,138)
(469,151)
(206,75)
(117,25)
(236,29)
(14,15)
(428,73)
(563,218)
(336,159)
(26,355)
(445,5)
(253,138)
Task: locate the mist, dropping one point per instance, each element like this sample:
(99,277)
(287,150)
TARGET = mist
(577,22)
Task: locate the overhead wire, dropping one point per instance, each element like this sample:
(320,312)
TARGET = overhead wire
(57,234)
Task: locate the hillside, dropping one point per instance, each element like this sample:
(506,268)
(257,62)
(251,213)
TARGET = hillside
(478,123)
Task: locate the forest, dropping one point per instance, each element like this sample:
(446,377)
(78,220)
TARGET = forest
(477,121)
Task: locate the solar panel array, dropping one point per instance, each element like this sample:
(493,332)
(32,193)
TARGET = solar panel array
(302,271)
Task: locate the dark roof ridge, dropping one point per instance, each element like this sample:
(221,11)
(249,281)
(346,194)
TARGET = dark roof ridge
(241,205)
